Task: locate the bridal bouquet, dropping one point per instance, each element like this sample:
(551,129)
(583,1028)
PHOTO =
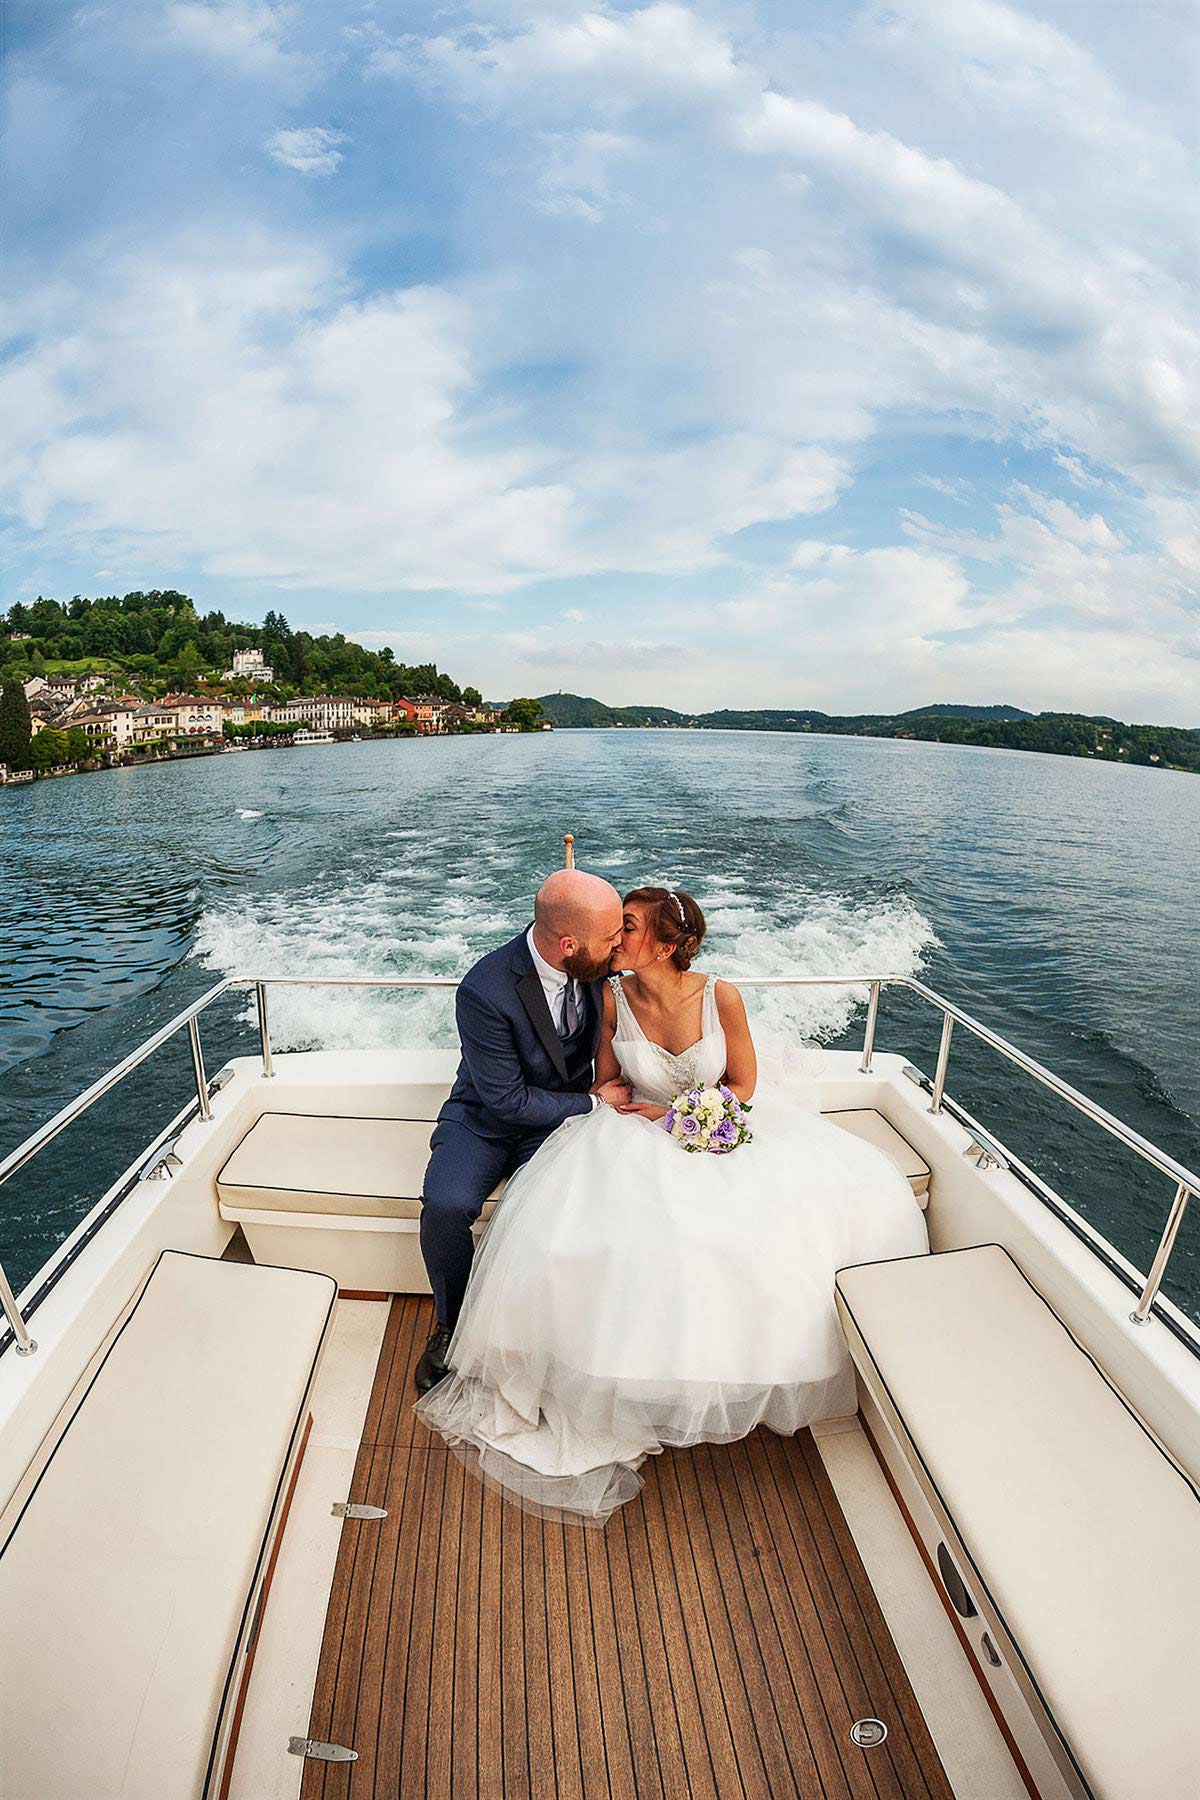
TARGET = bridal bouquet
(711,1119)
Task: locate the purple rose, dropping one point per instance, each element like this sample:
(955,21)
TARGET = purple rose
(690,1126)
(726,1132)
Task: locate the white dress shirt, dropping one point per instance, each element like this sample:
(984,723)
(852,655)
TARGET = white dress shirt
(554,986)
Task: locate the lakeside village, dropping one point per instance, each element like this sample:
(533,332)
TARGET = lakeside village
(56,721)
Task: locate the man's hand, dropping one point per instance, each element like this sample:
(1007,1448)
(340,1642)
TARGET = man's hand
(615,1093)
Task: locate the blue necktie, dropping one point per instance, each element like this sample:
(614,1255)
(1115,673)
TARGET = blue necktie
(569,1024)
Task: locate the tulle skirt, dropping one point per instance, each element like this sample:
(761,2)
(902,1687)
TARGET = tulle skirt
(629,1296)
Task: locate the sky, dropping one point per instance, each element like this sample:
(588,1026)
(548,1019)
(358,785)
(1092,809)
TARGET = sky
(760,352)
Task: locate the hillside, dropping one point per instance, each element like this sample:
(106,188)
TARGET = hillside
(943,711)
(577,711)
(988,727)
(158,641)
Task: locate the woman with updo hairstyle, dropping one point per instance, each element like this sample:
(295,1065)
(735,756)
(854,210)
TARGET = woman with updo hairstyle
(673,918)
(659,997)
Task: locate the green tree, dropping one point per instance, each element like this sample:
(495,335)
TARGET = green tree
(472,697)
(37,663)
(79,745)
(187,666)
(48,749)
(525,713)
(14,726)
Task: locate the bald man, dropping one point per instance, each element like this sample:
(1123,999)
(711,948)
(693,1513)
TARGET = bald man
(529,1022)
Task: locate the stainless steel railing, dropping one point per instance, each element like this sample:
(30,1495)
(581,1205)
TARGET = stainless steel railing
(1187,1184)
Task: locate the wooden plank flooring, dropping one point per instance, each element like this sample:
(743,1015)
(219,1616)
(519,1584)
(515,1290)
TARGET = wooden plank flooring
(717,1639)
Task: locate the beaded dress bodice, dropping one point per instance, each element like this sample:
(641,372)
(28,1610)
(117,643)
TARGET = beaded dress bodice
(656,1074)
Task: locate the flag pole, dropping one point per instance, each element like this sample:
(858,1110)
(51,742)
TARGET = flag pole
(569,847)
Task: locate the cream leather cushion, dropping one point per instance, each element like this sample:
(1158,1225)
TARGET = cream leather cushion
(866,1123)
(301,1163)
(1083,1532)
(124,1581)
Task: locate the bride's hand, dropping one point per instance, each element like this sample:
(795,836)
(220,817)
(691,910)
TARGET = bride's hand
(614,1093)
(644,1110)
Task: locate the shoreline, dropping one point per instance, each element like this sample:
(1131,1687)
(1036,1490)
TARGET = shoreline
(26,778)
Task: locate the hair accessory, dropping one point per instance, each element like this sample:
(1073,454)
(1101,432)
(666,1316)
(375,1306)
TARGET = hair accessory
(678,905)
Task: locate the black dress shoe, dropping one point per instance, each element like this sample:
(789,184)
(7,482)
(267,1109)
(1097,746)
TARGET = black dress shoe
(433,1367)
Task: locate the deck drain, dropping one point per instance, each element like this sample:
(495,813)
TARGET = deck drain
(868,1734)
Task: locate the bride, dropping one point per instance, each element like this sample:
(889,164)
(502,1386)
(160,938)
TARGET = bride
(629,1295)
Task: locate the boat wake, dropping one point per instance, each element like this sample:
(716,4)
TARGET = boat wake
(373,928)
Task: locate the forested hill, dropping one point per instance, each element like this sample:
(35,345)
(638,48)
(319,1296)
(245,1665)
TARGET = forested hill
(160,640)
(991,727)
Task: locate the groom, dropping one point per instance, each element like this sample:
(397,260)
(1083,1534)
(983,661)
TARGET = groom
(529,1022)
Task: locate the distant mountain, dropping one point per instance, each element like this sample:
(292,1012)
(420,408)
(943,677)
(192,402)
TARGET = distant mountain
(575,711)
(986,727)
(944,711)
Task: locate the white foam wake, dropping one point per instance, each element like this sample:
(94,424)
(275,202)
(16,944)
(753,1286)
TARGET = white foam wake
(393,925)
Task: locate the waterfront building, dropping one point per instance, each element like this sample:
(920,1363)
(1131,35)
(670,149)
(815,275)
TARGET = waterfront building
(37,684)
(195,714)
(110,721)
(371,713)
(415,713)
(427,712)
(152,722)
(249,665)
(323,712)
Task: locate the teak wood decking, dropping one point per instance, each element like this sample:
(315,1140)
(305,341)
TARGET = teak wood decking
(718,1638)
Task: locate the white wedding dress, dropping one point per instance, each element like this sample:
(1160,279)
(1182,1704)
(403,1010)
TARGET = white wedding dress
(629,1295)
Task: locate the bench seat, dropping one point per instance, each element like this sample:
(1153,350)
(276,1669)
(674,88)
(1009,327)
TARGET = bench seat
(357,1168)
(132,1562)
(1077,1536)
(344,1194)
(866,1123)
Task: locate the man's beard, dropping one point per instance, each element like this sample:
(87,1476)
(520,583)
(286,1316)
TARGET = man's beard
(584,967)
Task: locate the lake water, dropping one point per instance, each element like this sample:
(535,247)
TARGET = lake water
(1055,899)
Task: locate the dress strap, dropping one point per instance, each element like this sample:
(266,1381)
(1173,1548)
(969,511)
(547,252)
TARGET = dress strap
(710,1018)
(626,1019)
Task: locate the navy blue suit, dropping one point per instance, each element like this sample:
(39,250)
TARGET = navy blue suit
(516,1082)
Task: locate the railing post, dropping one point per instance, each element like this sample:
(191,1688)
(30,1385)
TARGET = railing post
(1166,1243)
(198,1067)
(939,1078)
(260,988)
(869,1034)
(12,1312)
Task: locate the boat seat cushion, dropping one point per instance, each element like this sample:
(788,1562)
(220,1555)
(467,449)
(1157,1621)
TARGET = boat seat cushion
(375,1168)
(355,1168)
(866,1123)
(128,1573)
(1083,1534)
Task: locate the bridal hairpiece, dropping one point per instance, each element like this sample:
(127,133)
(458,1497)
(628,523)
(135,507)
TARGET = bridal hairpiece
(678,906)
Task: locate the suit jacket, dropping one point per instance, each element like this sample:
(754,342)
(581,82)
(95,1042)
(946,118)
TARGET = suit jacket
(516,1075)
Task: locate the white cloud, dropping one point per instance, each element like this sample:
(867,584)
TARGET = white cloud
(244,411)
(309,149)
(249,37)
(1053,557)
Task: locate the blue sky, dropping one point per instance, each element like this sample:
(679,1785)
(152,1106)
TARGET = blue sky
(821,354)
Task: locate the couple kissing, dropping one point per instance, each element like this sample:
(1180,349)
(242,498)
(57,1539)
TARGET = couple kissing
(627,1296)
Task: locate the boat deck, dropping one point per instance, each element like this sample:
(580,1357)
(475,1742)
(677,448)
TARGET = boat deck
(718,1638)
